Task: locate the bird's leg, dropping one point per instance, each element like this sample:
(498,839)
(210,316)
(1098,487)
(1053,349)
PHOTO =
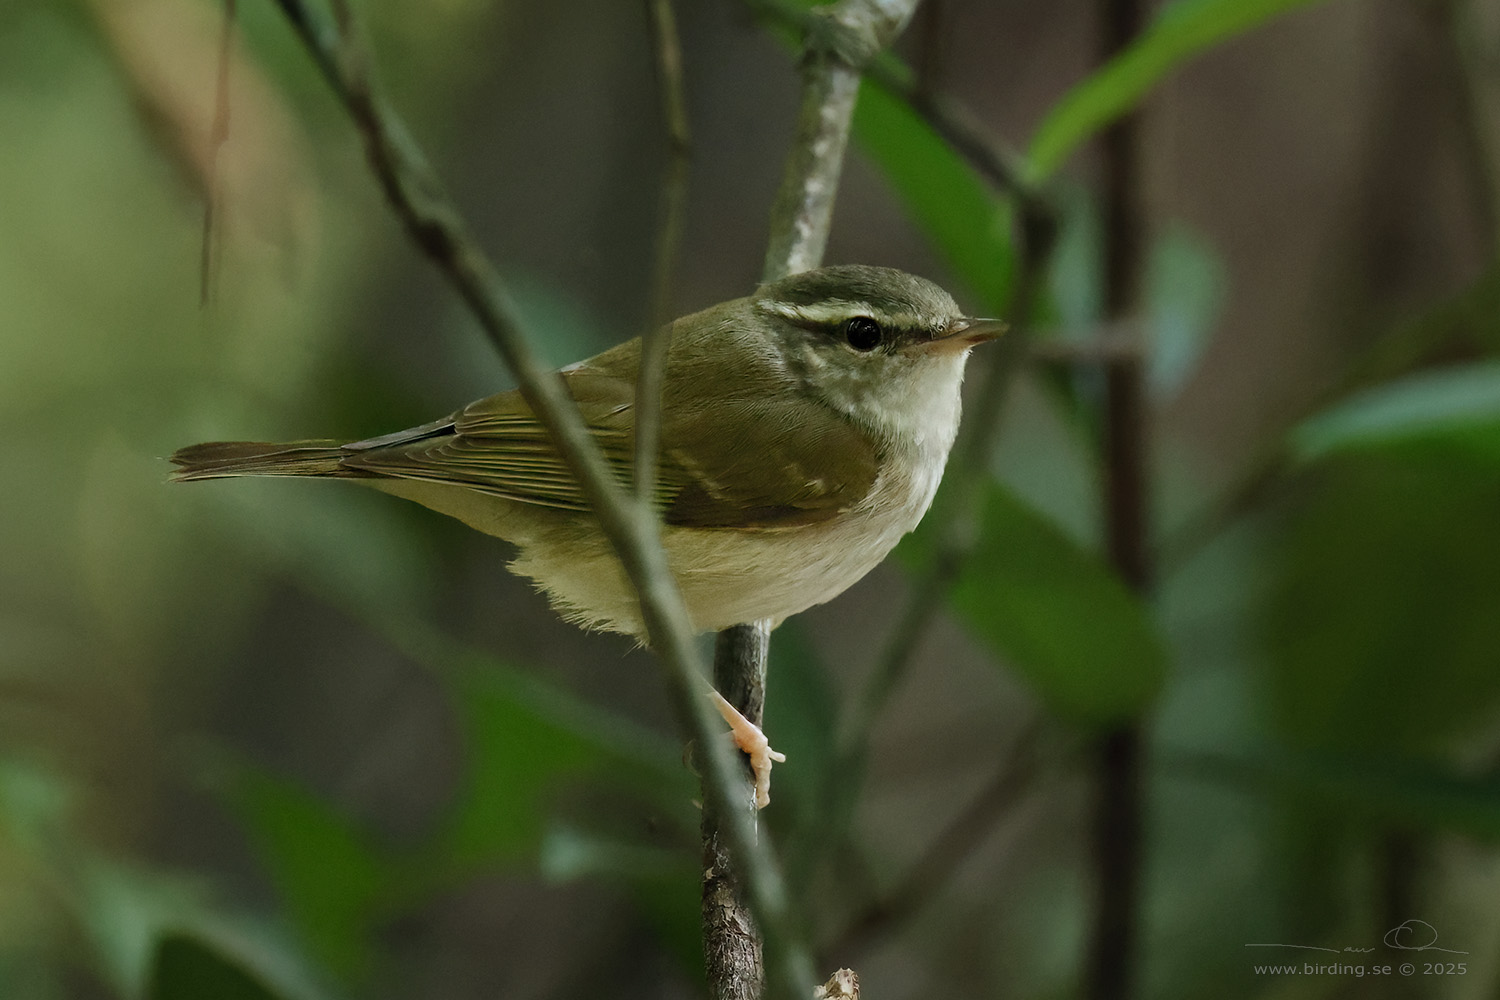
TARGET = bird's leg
(749,738)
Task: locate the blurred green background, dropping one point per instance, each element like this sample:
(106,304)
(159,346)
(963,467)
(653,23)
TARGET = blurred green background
(286,739)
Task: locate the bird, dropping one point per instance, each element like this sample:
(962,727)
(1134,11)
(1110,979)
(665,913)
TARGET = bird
(804,430)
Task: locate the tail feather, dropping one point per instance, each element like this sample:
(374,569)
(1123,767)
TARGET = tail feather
(222,459)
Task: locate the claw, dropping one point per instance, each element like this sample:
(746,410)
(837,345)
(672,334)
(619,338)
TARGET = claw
(749,738)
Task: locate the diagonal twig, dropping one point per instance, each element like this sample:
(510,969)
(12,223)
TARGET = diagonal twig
(948,850)
(419,200)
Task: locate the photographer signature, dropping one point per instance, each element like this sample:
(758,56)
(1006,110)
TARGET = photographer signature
(1409,935)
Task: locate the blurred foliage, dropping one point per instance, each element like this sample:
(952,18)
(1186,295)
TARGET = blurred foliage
(969,224)
(1023,591)
(1443,409)
(1377,628)
(1182,30)
(1322,674)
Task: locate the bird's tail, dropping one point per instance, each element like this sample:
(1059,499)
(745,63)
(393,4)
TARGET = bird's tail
(222,459)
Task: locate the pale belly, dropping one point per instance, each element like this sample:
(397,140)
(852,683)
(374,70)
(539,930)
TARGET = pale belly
(726,576)
(729,577)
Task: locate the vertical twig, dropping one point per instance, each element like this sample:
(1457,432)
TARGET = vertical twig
(963,499)
(657,338)
(846,35)
(732,947)
(1117,817)
(945,116)
(218,135)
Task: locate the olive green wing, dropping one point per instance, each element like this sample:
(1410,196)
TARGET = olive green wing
(758,463)
(739,463)
(499,447)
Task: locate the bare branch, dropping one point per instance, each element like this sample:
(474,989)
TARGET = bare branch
(841,38)
(732,948)
(948,118)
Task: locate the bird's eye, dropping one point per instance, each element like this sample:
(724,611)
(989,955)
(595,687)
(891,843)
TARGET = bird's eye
(862,332)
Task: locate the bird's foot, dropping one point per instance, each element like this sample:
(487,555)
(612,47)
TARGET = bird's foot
(749,738)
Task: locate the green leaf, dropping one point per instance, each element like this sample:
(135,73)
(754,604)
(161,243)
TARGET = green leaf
(1058,616)
(663,884)
(122,909)
(527,741)
(1182,31)
(1075,278)
(1185,285)
(800,710)
(186,968)
(328,874)
(966,221)
(1458,406)
(1378,627)
(1392,789)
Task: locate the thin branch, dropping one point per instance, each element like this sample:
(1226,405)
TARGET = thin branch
(838,40)
(948,850)
(218,135)
(841,38)
(944,115)
(657,338)
(733,952)
(1109,341)
(417,196)
(1116,823)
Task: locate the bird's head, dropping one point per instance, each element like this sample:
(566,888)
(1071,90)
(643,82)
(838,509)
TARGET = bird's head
(886,347)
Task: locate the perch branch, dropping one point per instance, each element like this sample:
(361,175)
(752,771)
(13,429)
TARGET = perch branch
(838,40)
(417,196)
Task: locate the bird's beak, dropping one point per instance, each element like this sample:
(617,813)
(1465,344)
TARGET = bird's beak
(964,333)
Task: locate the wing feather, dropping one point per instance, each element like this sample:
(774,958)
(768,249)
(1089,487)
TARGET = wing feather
(747,462)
